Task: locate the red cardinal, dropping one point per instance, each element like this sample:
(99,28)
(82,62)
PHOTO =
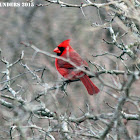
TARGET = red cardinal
(69,71)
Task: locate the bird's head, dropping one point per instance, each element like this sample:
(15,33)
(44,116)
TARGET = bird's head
(63,47)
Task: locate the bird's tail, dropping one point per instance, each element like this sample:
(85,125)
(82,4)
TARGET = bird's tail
(91,88)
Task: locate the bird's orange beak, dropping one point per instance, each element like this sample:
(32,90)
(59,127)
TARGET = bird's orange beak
(56,50)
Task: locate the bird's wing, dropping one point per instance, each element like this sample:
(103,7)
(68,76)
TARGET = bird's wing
(69,71)
(75,58)
(64,64)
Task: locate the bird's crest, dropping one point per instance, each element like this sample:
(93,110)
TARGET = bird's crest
(64,43)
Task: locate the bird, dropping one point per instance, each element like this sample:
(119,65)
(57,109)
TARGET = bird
(69,69)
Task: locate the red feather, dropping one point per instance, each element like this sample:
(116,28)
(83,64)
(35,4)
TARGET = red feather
(68,71)
(91,88)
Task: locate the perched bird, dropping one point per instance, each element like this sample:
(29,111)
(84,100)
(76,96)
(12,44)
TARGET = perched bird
(69,71)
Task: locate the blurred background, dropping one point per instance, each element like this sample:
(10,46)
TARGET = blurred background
(46,27)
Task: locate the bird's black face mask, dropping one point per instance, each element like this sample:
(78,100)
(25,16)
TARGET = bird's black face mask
(61,49)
